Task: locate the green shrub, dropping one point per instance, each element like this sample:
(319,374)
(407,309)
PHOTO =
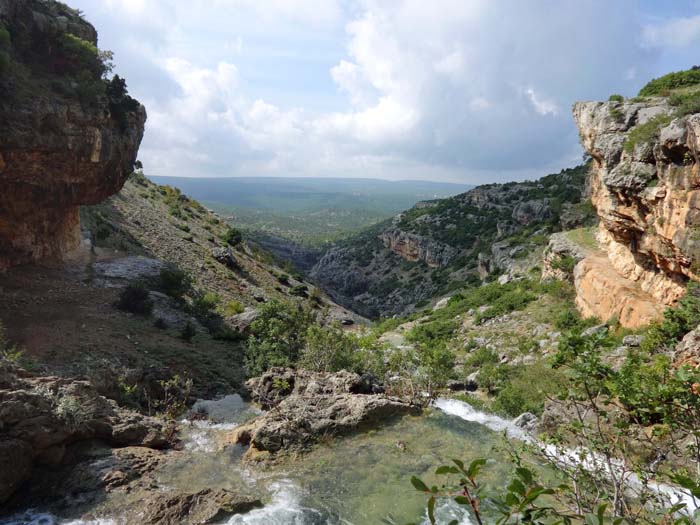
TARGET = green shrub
(678,321)
(232,308)
(174,282)
(566,264)
(278,336)
(300,290)
(521,394)
(188,332)
(666,83)
(327,349)
(134,298)
(646,133)
(478,358)
(616,98)
(432,332)
(685,103)
(232,237)
(204,304)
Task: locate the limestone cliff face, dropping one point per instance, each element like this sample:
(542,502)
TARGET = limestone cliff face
(67,136)
(646,193)
(414,247)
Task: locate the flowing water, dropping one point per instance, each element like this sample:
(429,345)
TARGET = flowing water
(358,480)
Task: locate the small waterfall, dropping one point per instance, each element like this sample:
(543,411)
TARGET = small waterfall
(564,456)
(284,509)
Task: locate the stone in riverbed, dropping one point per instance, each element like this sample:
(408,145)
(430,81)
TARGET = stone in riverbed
(205,506)
(305,406)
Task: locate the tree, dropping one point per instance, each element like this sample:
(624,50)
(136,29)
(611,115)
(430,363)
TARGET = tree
(278,336)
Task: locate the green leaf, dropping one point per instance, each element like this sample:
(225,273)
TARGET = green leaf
(475,467)
(431,510)
(525,474)
(446,469)
(517,487)
(419,485)
(462,500)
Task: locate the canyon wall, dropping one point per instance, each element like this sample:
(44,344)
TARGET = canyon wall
(68,137)
(645,188)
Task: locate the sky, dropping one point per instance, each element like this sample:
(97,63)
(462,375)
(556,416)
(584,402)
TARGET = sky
(468,91)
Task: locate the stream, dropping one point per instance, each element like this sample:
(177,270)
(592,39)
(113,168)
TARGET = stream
(355,480)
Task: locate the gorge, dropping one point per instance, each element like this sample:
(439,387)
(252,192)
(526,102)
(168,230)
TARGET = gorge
(537,340)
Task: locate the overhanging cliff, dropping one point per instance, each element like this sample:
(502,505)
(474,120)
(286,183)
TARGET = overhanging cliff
(646,189)
(68,136)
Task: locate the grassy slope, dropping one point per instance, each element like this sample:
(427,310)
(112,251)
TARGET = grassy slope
(146,218)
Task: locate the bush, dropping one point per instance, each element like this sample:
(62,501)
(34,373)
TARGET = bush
(232,308)
(174,282)
(232,237)
(134,298)
(666,83)
(204,304)
(327,349)
(278,336)
(565,264)
(616,98)
(188,332)
(646,133)
(685,103)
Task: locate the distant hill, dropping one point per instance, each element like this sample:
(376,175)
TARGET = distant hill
(312,211)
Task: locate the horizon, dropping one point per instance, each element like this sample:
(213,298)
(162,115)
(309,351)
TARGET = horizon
(345,89)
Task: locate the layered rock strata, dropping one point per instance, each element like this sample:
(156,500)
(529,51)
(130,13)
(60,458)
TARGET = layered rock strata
(646,190)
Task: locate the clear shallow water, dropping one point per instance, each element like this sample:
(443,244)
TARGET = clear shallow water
(355,480)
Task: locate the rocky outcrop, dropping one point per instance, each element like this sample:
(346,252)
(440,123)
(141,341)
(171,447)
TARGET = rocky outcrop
(560,257)
(40,416)
(395,266)
(645,188)
(413,247)
(205,506)
(306,406)
(68,137)
(603,293)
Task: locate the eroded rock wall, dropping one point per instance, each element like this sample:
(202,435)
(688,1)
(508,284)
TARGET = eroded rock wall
(64,140)
(646,194)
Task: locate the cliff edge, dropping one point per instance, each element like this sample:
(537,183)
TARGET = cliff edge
(68,137)
(645,189)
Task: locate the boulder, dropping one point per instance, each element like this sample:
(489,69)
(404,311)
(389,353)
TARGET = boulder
(527,421)
(687,352)
(205,506)
(305,406)
(225,257)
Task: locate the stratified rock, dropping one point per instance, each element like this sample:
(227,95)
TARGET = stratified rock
(646,196)
(414,247)
(305,406)
(205,506)
(59,147)
(40,416)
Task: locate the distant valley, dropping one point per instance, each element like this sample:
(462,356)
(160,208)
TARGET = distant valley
(309,211)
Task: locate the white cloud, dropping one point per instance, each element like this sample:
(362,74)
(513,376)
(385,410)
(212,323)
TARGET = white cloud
(542,106)
(677,32)
(474,90)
